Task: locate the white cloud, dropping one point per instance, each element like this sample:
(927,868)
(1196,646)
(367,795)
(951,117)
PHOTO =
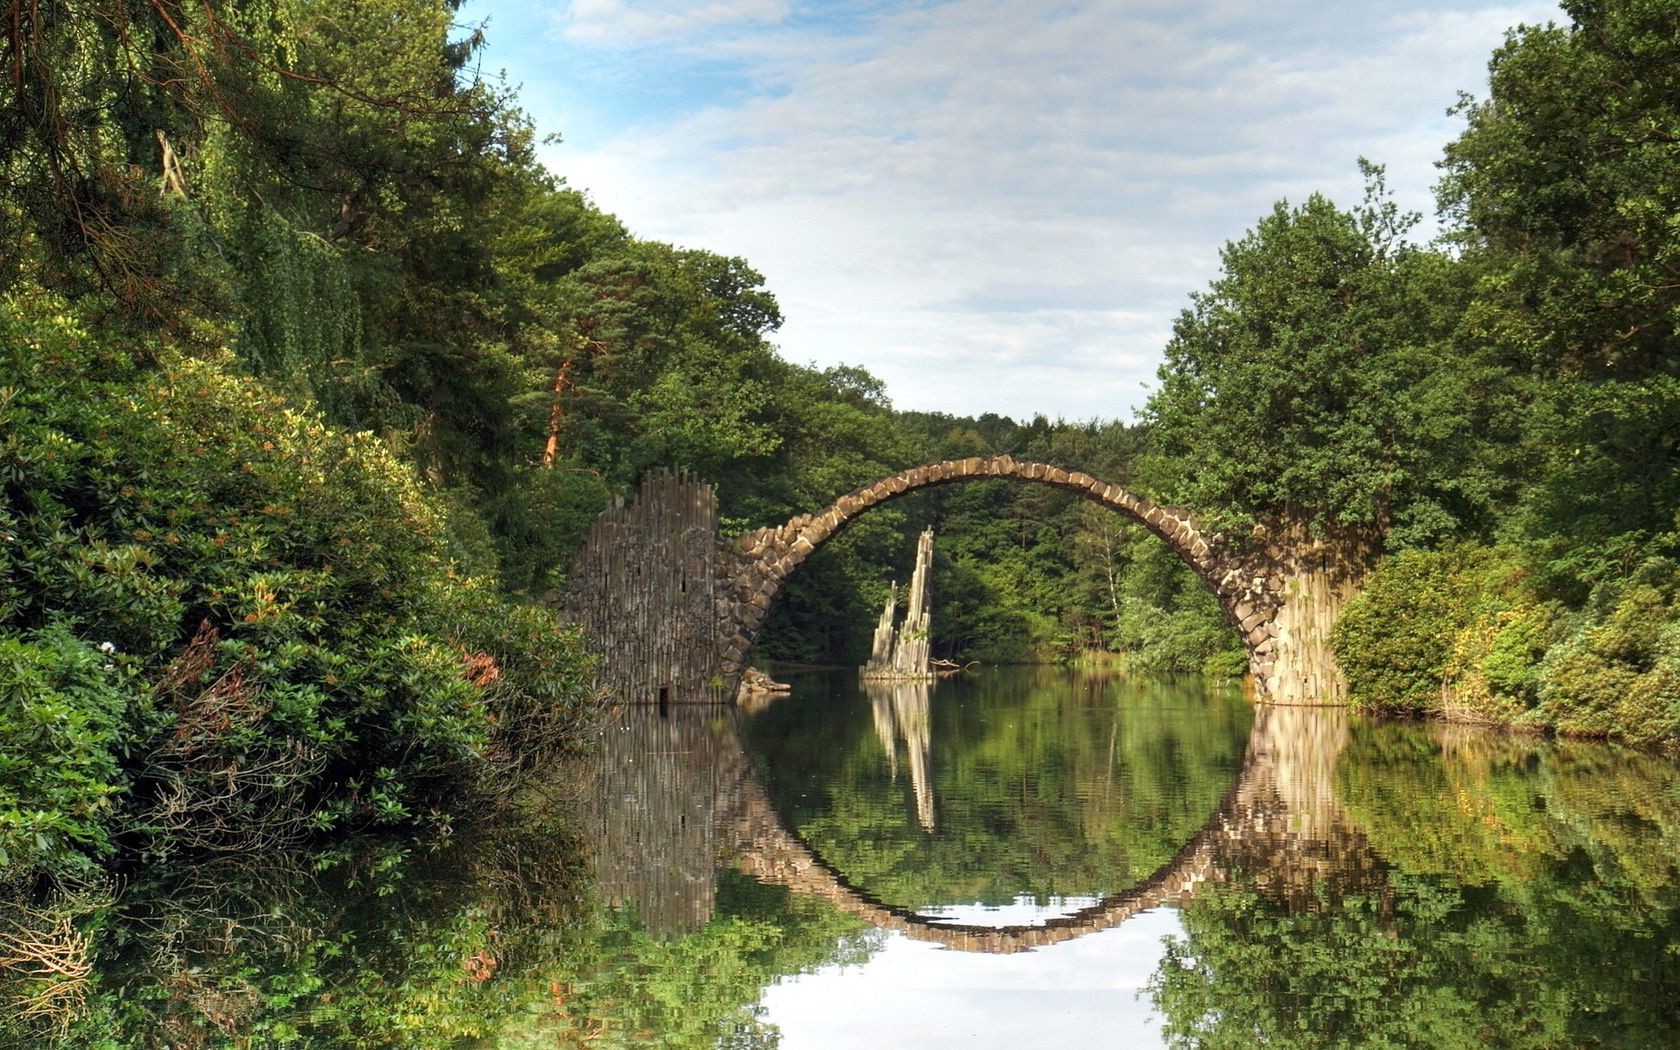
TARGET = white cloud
(998,206)
(1085,992)
(620,22)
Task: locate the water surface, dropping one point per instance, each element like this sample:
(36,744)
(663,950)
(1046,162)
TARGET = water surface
(1020,857)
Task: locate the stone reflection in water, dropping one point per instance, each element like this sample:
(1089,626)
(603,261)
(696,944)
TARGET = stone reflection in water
(1391,885)
(676,799)
(678,796)
(665,779)
(1291,834)
(901,710)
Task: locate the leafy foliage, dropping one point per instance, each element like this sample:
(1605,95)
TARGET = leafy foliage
(1616,670)
(61,705)
(1502,871)
(1317,376)
(1398,639)
(289,651)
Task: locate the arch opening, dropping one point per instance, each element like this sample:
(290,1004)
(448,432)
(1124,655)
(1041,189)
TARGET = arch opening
(764,560)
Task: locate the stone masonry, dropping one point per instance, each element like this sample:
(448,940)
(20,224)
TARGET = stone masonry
(1280,588)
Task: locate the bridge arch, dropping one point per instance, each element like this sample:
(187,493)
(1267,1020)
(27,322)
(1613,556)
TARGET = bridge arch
(768,851)
(672,610)
(763,560)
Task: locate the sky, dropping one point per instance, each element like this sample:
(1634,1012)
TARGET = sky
(992,205)
(1091,991)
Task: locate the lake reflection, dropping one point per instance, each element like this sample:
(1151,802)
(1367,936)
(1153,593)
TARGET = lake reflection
(1016,858)
(1152,864)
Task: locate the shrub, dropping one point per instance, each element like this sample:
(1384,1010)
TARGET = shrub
(283,589)
(1429,627)
(1617,670)
(61,701)
(1462,632)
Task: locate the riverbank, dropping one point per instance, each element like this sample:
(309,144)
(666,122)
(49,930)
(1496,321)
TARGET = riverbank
(1469,633)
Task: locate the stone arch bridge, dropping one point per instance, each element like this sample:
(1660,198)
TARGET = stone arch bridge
(673,608)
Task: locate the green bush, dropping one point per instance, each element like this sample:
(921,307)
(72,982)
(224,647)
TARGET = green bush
(283,589)
(61,701)
(1226,664)
(541,518)
(1617,670)
(1462,632)
(1423,634)
(1168,621)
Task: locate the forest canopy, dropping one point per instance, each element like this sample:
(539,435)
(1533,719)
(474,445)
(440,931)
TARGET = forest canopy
(314,377)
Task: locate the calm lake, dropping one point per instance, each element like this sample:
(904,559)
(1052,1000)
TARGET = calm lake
(1017,857)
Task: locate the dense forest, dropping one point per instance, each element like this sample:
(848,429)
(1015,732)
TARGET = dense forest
(313,376)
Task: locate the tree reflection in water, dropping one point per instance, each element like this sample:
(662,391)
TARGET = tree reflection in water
(1519,893)
(1341,883)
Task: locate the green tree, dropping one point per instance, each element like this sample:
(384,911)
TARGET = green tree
(290,648)
(1563,189)
(1317,378)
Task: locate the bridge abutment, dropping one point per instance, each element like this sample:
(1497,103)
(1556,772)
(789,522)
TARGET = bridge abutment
(1316,577)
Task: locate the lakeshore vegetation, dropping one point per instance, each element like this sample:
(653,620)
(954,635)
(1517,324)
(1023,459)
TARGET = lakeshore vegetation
(312,377)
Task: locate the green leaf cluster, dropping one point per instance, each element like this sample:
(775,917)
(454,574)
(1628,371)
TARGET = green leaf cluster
(61,707)
(274,601)
(1466,633)
(1318,377)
